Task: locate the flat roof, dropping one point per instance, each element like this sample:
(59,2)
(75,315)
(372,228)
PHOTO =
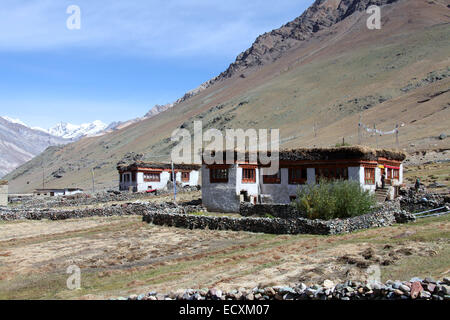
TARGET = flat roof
(57,189)
(155,165)
(335,153)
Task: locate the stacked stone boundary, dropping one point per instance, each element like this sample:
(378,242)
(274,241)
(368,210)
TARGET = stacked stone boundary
(180,216)
(414,289)
(273,225)
(128,209)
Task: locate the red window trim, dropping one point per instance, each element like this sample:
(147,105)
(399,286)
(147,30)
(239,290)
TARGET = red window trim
(155,173)
(332,170)
(296,180)
(272,179)
(213,179)
(369,178)
(250,178)
(185,176)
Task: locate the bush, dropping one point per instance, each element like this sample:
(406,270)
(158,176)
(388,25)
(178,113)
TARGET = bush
(334,199)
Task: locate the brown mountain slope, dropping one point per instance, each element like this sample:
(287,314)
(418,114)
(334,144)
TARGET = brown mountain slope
(399,74)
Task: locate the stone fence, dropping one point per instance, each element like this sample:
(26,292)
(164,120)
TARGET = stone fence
(170,214)
(275,225)
(284,211)
(414,289)
(114,210)
(92,199)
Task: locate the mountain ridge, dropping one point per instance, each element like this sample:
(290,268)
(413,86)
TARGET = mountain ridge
(314,93)
(20,143)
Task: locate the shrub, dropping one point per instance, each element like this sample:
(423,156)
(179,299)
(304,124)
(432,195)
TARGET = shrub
(334,199)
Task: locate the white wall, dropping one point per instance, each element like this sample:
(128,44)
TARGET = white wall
(224,197)
(281,193)
(251,188)
(378,172)
(4,195)
(144,185)
(69,193)
(159,185)
(193,178)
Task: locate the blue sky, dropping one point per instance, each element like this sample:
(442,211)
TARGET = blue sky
(128,55)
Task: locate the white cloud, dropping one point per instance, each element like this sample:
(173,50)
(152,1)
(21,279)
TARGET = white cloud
(156,28)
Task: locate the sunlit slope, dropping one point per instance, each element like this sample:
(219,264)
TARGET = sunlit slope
(396,75)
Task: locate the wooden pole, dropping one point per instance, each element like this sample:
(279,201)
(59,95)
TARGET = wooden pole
(376,134)
(93,182)
(359,130)
(174,180)
(396,137)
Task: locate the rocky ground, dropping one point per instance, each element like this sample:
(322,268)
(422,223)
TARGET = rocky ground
(416,288)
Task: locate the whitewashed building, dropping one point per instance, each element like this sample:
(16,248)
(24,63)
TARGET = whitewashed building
(225,186)
(3,193)
(143,176)
(56,192)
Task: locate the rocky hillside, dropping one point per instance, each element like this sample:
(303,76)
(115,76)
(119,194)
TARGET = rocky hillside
(19,144)
(313,78)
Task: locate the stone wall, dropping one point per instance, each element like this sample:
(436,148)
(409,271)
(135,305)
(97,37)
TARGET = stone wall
(283,211)
(271,225)
(170,214)
(414,289)
(118,210)
(84,199)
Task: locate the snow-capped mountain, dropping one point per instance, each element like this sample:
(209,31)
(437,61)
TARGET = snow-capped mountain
(20,143)
(71,131)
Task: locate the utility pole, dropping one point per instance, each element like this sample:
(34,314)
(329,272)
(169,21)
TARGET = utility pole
(174,180)
(93,182)
(396,136)
(376,133)
(359,130)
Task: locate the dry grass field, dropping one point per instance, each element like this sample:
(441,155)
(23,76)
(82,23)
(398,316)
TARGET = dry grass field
(119,256)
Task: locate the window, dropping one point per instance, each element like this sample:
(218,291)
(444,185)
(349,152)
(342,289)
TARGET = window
(330,173)
(133,176)
(185,176)
(217,175)
(392,174)
(369,175)
(297,175)
(395,174)
(248,175)
(272,179)
(126,177)
(152,177)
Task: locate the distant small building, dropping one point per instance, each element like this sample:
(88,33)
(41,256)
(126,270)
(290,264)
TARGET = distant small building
(224,186)
(143,176)
(3,193)
(56,192)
